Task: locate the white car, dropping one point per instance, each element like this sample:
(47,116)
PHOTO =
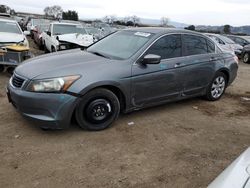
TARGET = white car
(226,43)
(14,46)
(236,175)
(63,36)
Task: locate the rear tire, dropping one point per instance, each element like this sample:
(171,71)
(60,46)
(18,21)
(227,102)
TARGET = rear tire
(41,45)
(97,110)
(45,48)
(53,49)
(246,57)
(217,87)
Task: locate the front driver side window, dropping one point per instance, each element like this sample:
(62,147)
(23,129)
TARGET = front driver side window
(167,47)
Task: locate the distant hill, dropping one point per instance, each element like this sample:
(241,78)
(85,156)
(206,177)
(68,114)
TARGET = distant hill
(235,30)
(158,22)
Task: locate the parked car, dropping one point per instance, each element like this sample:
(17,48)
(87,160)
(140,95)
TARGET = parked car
(63,36)
(14,46)
(95,32)
(127,70)
(38,36)
(226,43)
(246,54)
(241,40)
(236,174)
(33,23)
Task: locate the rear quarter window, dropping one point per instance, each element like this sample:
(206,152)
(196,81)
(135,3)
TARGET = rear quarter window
(210,46)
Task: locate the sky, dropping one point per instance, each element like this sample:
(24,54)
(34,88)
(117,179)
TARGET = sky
(197,12)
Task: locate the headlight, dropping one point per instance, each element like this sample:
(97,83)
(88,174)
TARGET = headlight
(52,85)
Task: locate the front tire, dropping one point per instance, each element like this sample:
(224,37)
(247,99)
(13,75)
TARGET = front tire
(97,110)
(246,58)
(217,87)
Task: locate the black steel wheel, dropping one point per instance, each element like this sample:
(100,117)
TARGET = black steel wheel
(97,110)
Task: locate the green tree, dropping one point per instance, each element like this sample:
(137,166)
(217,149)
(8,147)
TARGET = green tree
(3,9)
(227,29)
(191,28)
(70,15)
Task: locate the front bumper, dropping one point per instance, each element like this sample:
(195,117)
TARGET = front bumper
(48,110)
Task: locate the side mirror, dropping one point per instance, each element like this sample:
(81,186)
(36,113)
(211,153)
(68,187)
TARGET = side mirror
(26,32)
(151,59)
(49,33)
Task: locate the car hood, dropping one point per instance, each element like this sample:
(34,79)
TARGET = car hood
(236,46)
(76,38)
(11,37)
(62,63)
(236,175)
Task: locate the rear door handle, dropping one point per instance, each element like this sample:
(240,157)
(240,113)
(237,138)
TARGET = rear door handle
(179,65)
(212,58)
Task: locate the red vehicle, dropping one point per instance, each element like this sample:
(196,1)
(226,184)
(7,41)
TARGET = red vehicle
(38,34)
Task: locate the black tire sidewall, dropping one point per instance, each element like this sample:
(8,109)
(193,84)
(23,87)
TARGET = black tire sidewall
(248,57)
(208,92)
(90,96)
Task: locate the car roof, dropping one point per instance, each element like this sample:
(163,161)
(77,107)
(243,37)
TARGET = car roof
(7,19)
(65,23)
(161,30)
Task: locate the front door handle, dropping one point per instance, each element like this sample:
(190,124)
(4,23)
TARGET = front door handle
(212,58)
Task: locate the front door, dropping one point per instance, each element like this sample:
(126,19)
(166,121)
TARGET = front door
(159,82)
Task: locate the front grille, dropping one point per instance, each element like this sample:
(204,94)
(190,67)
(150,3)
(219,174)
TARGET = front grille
(17,81)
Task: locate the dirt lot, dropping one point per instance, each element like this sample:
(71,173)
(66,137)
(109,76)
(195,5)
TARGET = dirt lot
(183,144)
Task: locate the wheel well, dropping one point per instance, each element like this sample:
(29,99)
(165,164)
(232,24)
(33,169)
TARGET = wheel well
(226,73)
(118,93)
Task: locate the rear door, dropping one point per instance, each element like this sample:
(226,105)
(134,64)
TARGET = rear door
(200,61)
(159,82)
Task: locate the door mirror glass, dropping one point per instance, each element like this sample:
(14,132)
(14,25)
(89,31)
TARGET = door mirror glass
(151,59)
(49,33)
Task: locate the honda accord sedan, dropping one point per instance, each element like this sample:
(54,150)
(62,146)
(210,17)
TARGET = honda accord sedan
(125,71)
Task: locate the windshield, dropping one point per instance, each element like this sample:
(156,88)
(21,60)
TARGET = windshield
(121,45)
(227,40)
(60,29)
(43,27)
(92,30)
(9,27)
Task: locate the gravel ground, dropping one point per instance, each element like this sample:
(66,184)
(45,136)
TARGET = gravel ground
(182,144)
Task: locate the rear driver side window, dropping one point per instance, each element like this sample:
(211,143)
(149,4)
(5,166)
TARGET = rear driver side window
(194,45)
(167,47)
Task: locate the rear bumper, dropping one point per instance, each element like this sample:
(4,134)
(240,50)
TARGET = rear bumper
(233,73)
(47,110)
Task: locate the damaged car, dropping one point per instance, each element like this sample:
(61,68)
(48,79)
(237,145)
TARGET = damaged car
(64,36)
(14,46)
(128,70)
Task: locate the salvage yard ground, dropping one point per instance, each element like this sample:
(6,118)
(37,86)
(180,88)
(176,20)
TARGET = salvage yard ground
(182,144)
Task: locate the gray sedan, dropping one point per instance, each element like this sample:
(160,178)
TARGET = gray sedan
(126,71)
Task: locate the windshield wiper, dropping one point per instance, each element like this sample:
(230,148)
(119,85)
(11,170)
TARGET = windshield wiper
(100,54)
